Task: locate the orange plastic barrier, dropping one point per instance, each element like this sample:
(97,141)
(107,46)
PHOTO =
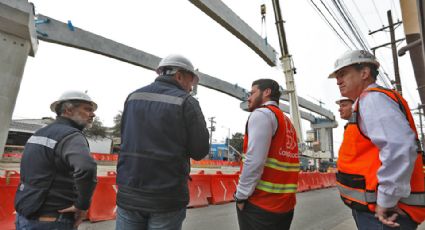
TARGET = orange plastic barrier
(222,187)
(199,189)
(316,181)
(332,179)
(218,163)
(8,185)
(12,155)
(303,182)
(103,206)
(104,157)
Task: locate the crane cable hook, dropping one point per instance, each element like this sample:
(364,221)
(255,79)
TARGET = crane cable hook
(263,22)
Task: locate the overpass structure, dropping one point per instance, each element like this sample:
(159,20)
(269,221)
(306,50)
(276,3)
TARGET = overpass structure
(20,31)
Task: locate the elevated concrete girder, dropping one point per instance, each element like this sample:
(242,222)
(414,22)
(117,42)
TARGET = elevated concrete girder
(58,32)
(223,15)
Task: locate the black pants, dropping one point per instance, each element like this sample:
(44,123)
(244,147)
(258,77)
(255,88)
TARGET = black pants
(255,218)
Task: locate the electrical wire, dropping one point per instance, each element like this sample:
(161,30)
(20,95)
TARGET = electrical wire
(357,35)
(344,16)
(353,34)
(395,9)
(377,12)
(360,15)
(337,22)
(354,25)
(329,24)
(364,21)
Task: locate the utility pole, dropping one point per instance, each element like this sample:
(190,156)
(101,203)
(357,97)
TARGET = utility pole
(393,48)
(212,128)
(394,51)
(289,71)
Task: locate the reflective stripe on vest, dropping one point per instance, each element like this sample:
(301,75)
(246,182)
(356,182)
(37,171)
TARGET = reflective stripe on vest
(417,199)
(44,141)
(276,188)
(282,166)
(357,194)
(156,97)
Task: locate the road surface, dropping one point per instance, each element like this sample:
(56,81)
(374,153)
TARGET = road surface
(315,210)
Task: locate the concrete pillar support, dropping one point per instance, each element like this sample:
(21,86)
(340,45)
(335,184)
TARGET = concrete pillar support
(17,41)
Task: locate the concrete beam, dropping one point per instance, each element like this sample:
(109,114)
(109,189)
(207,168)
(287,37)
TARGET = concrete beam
(285,109)
(306,104)
(324,123)
(222,14)
(17,19)
(58,32)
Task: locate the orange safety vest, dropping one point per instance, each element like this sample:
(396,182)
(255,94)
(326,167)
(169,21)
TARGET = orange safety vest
(358,164)
(275,191)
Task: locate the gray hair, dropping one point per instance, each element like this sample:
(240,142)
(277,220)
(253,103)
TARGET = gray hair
(61,107)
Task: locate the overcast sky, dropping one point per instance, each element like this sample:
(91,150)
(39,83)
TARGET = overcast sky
(162,27)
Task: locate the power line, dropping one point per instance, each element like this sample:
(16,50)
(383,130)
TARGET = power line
(346,21)
(354,24)
(357,35)
(361,16)
(377,12)
(395,9)
(329,24)
(345,17)
(337,22)
(364,21)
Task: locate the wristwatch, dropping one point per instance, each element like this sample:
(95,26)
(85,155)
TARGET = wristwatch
(238,201)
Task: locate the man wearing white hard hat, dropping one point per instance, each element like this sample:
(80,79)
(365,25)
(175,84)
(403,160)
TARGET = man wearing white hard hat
(380,173)
(345,107)
(58,175)
(162,127)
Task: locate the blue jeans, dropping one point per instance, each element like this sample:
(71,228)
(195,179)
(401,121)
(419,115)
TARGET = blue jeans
(61,223)
(368,221)
(135,220)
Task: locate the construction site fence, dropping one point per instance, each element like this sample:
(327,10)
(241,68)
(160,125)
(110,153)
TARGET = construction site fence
(204,189)
(114,157)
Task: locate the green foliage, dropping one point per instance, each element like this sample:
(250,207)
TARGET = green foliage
(237,141)
(116,129)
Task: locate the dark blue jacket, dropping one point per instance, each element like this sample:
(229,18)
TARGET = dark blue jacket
(162,128)
(51,180)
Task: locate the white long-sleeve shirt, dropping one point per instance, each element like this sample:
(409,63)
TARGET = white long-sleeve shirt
(262,125)
(387,127)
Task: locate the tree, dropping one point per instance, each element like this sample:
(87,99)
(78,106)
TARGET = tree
(116,129)
(96,130)
(237,141)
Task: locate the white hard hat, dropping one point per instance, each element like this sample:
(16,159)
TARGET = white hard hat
(353,57)
(343,99)
(177,61)
(73,95)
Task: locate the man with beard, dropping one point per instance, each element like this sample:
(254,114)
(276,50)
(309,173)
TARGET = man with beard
(265,196)
(58,175)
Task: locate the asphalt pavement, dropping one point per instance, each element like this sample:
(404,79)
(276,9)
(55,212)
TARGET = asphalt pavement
(315,210)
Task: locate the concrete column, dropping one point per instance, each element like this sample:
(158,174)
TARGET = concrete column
(17,41)
(14,53)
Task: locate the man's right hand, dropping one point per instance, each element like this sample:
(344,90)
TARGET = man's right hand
(79,215)
(240,206)
(388,216)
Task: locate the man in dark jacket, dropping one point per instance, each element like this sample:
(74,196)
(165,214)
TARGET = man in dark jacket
(58,176)
(162,128)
